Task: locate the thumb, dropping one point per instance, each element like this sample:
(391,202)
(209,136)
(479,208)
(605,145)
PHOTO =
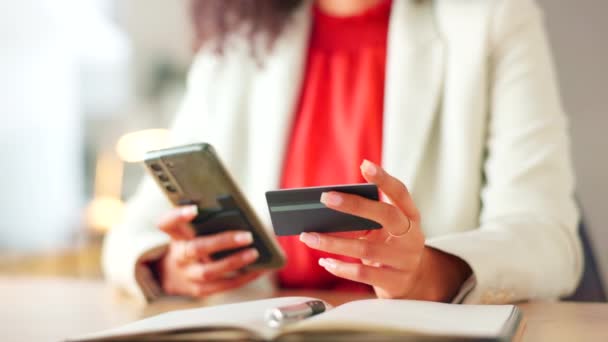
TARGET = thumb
(176,223)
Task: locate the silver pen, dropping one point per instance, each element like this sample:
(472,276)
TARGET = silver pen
(282,315)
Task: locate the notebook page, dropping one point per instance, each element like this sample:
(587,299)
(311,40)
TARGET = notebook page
(247,315)
(412,316)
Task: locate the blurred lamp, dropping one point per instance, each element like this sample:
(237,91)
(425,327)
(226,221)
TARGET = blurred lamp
(104,212)
(131,147)
(106,209)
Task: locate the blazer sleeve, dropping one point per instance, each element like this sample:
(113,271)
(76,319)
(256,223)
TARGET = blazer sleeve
(130,246)
(527,245)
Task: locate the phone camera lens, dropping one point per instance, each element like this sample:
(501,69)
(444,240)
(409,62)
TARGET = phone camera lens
(156,167)
(170,188)
(162,177)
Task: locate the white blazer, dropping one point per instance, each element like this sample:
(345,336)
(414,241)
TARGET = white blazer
(472,124)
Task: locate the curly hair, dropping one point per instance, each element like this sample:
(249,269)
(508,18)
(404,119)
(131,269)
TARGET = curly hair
(216,20)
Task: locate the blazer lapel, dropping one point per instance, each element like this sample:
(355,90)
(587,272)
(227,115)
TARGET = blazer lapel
(273,99)
(414,75)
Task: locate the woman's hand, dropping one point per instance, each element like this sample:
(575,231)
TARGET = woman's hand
(394,259)
(187,268)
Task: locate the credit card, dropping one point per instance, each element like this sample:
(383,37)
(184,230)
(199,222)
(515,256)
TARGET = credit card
(298,210)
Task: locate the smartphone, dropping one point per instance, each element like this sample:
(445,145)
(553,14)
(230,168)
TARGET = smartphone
(194,175)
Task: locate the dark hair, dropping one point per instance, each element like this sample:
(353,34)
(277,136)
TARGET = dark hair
(216,20)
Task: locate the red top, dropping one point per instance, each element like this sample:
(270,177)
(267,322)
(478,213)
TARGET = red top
(338,124)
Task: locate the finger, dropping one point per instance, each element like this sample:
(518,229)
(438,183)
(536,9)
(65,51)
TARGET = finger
(392,281)
(176,222)
(200,272)
(355,234)
(387,215)
(357,248)
(185,254)
(393,188)
(204,246)
(201,290)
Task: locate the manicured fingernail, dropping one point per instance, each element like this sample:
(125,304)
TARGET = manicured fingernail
(244,237)
(310,239)
(190,210)
(327,263)
(368,168)
(251,254)
(331,198)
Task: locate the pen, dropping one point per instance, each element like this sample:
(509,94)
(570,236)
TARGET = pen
(282,315)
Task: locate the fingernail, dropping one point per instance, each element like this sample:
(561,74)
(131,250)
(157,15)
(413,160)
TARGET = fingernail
(251,254)
(368,168)
(327,263)
(190,210)
(331,198)
(243,237)
(310,239)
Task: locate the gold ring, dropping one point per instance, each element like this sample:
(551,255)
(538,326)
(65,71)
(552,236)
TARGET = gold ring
(409,227)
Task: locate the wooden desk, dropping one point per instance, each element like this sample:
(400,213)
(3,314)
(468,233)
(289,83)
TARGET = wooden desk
(50,309)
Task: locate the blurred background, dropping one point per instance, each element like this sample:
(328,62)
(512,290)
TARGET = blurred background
(87,85)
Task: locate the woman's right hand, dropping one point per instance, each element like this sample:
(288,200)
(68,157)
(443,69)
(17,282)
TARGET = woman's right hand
(187,268)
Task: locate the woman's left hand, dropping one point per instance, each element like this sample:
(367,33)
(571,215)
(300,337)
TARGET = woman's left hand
(394,259)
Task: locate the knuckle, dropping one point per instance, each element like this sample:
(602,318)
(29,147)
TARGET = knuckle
(364,249)
(415,216)
(163,223)
(240,281)
(391,214)
(168,219)
(243,280)
(406,265)
(176,252)
(172,249)
(327,243)
(399,185)
(354,203)
(196,247)
(233,262)
(359,272)
(402,194)
(168,288)
(225,239)
(384,295)
(234,284)
(390,294)
(224,236)
(228,264)
(385,179)
(324,243)
(198,291)
(204,274)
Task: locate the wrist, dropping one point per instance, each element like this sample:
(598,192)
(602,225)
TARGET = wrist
(441,276)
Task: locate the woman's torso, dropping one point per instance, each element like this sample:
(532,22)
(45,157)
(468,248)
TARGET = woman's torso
(434,117)
(337,123)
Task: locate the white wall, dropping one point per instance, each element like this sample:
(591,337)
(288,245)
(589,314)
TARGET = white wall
(40,130)
(578,32)
(158,29)
(56,58)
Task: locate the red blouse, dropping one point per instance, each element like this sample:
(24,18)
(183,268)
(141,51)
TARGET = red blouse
(338,123)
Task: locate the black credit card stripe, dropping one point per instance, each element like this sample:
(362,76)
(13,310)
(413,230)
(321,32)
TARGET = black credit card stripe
(292,207)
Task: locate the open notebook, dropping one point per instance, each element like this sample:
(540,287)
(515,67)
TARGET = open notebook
(372,319)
